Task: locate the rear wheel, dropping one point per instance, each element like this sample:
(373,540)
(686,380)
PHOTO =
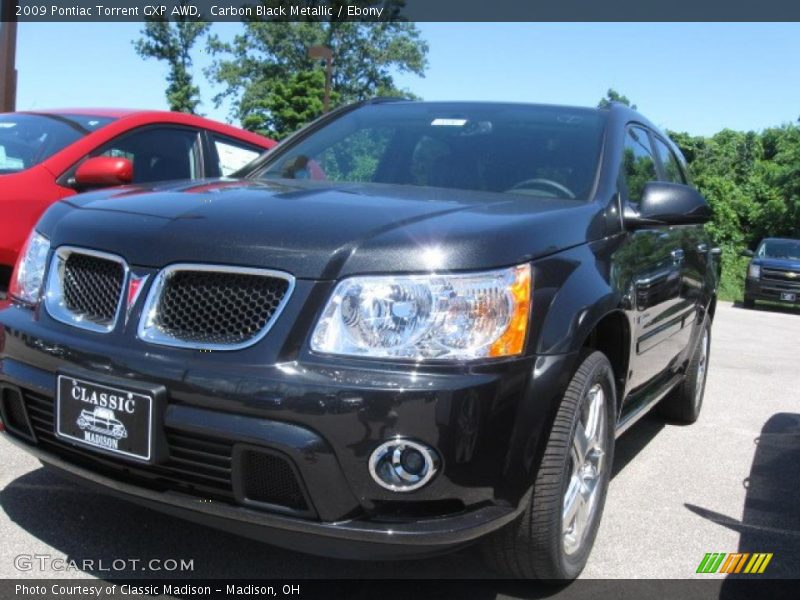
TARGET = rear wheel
(554,535)
(684,403)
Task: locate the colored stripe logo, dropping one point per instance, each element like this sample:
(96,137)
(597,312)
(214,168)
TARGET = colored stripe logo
(738,562)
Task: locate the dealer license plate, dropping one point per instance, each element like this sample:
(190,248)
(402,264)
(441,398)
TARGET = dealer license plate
(105,418)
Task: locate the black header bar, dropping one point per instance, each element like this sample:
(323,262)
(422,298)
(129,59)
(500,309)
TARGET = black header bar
(408,10)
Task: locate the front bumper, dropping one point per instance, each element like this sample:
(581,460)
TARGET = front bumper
(769,289)
(354,538)
(325,418)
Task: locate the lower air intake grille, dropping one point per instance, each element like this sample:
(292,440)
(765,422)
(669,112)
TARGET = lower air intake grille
(13,413)
(199,465)
(270,479)
(213,307)
(92,287)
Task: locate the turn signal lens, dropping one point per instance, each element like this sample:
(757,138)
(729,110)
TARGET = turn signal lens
(513,340)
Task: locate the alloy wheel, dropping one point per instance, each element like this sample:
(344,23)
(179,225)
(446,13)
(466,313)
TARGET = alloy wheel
(587,464)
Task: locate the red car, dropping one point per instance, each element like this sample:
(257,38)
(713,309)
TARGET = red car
(49,155)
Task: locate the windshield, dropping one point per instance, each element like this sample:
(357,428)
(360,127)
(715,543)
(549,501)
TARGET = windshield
(788,249)
(543,151)
(28,139)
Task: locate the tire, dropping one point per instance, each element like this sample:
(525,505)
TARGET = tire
(536,545)
(748,302)
(683,404)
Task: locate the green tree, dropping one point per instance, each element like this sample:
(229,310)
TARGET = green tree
(252,68)
(752,181)
(288,104)
(613,95)
(172,42)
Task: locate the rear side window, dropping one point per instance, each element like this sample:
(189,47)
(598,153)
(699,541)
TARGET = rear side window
(233,155)
(672,168)
(638,163)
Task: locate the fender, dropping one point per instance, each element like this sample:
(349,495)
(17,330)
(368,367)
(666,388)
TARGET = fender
(572,293)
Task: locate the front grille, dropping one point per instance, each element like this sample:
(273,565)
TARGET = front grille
(786,279)
(92,287)
(197,465)
(270,479)
(213,307)
(84,288)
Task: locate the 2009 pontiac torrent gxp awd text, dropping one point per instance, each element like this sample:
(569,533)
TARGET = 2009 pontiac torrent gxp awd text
(410,327)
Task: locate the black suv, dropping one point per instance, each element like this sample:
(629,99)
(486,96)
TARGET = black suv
(410,327)
(774,272)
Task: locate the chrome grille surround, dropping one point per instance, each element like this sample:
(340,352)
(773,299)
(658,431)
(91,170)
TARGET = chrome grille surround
(151,328)
(56,300)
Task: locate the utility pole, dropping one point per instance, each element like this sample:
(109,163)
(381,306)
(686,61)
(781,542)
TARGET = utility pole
(325,53)
(8,52)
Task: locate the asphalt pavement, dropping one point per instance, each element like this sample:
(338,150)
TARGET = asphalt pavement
(728,483)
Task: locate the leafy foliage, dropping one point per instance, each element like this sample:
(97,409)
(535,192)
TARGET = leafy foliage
(288,104)
(752,180)
(613,95)
(173,42)
(265,66)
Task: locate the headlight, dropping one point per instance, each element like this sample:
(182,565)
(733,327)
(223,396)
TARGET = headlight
(754,271)
(26,282)
(461,316)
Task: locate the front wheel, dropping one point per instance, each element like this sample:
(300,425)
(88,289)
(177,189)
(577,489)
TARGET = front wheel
(748,302)
(554,535)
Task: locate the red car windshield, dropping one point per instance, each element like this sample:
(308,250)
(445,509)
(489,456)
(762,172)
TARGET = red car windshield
(27,139)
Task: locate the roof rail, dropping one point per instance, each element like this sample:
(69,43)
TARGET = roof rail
(382,99)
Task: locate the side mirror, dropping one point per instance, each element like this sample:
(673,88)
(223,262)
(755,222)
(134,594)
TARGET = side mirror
(103,171)
(668,204)
(748,253)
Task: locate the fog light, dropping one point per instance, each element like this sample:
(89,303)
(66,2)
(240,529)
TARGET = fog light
(402,465)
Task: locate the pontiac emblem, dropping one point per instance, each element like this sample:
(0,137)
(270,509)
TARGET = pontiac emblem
(135,287)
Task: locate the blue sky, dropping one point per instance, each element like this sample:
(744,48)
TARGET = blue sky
(692,77)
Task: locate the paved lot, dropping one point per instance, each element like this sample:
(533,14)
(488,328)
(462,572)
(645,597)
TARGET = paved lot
(730,482)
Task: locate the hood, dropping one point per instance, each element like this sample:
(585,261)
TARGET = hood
(319,231)
(786,264)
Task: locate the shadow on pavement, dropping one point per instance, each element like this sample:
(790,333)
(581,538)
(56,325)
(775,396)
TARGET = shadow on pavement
(789,309)
(770,521)
(635,440)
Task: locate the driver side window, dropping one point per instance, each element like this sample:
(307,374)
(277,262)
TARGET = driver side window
(157,153)
(638,163)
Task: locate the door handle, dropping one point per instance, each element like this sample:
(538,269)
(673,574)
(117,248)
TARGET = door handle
(677,255)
